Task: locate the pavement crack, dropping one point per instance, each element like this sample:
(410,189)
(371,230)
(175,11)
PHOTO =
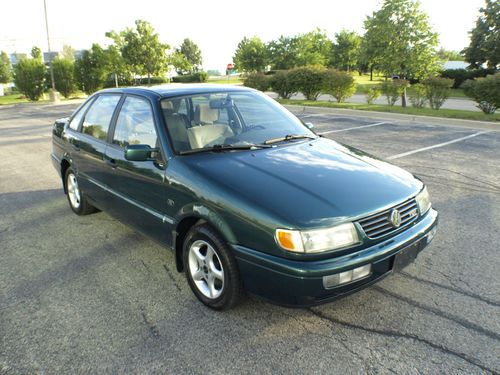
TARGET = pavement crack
(171,277)
(153,330)
(453,288)
(463,322)
(395,334)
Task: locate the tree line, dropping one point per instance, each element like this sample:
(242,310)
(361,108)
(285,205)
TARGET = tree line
(398,40)
(136,56)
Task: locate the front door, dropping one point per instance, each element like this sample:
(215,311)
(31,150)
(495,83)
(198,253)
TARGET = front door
(137,186)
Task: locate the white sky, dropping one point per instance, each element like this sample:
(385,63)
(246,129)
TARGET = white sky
(216,26)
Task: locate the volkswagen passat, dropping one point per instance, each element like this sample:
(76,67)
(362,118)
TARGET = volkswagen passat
(247,196)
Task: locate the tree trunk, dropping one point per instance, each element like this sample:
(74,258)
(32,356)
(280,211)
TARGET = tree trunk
(149,78)
(403,98)
(116,80)
(371,72)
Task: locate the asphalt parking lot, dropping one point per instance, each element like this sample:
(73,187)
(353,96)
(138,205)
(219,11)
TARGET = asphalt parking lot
(89,295)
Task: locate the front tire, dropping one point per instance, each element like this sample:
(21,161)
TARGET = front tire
(76,198)
(211,270)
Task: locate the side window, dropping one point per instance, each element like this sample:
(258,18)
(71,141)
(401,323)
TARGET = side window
(97,120)
(75,121)
(135,124)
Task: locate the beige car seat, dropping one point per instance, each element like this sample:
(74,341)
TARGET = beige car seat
(203,114)
(206,135)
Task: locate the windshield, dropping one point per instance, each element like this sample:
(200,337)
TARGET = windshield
(229,119)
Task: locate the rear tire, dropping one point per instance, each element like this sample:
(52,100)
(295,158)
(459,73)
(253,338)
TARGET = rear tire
(211,269)
(76,197)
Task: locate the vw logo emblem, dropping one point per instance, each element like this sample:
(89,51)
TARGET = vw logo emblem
(395,218)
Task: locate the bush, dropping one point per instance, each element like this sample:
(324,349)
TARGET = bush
(258,81)
(418,97)
(308,80)
(64,76)
(339,84)
(372,93)
(485,92)
(282,83)
(459,76)
(393,89)
(437,90)
(197,77)
(29,78)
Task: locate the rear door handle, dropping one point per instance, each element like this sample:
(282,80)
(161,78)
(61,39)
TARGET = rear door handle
(111,163)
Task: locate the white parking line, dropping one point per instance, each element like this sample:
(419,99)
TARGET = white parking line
(353,128)
(436,146)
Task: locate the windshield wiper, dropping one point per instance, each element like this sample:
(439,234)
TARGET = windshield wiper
(224,147)
(288,137)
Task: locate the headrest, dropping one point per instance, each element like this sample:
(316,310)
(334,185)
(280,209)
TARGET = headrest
(166,104)
(204,114)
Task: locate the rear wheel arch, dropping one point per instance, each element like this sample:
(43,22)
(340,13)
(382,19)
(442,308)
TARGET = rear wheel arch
(65,164)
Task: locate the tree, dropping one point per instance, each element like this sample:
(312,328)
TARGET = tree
(313,48)
(64,75)
(180,63)
(36,53)
(282,53)
(29,77)
(192,53)
(401,42)
(251,55)
(449,55)
(345,50)
(90,69)
(141,49)
(68,52)
(116,65)
(484,44)
(5,68)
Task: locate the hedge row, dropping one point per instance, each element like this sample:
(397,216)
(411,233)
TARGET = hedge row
(311,81)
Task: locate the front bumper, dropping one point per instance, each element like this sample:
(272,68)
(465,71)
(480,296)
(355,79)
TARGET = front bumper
(300,283)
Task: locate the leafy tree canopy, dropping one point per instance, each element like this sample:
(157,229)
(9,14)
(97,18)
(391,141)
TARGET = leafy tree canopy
(5,68)
(251,55)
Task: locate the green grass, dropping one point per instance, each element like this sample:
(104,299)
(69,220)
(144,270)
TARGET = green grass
(12,99)
(444,113)
(233,80)
(364,82)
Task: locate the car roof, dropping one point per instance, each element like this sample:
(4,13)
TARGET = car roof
(176,89)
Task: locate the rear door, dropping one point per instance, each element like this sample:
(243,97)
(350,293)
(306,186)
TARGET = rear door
(89,147)
(137,187)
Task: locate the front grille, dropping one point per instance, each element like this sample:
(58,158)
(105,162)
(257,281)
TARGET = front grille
(379,225)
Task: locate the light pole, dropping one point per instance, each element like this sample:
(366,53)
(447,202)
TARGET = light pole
(53,96)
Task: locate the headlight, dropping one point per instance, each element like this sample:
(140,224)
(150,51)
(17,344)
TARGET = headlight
(315,241)
(423,201)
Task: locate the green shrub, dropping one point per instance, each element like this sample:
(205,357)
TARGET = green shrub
(64,76)
(418,96)
(459,76)
(485,92)
(372,93)
(393,89)
(152,80)
(338,84)
(91,70)
(308,80)
(197,77)
(29,78)
(258,81)
(437,90)
(282,83)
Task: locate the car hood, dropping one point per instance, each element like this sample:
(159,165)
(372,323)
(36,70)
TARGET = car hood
(308,184)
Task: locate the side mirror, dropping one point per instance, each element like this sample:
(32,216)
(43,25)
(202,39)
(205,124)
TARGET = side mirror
(139,152)
(309,125)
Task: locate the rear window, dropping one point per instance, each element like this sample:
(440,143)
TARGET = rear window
(98,118)
(75,121)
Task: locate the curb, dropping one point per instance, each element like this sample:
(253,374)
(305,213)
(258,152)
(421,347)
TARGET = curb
(402,118)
